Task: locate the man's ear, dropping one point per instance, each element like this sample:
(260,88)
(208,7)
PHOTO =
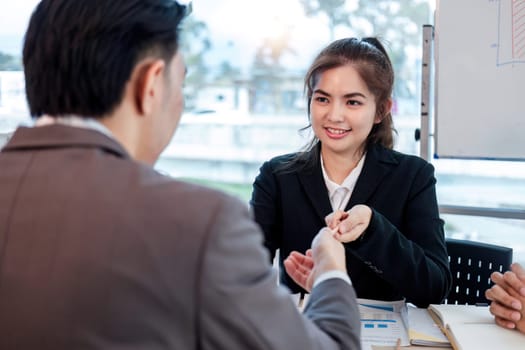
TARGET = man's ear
(148,84)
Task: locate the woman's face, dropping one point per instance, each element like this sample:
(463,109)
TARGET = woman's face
(342,111)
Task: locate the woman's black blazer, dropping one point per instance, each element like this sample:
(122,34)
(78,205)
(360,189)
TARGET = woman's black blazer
(402,253)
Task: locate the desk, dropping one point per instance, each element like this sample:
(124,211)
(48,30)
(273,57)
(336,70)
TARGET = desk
(471,326)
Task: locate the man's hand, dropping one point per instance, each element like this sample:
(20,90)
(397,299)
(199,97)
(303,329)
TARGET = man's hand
(327,254)
(508,298)
(299,267)
(349,226)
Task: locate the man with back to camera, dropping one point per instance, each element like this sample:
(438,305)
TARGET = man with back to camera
(99,251)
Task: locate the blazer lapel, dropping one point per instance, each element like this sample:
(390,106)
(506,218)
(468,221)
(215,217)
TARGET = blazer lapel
(378,164)
(312,182)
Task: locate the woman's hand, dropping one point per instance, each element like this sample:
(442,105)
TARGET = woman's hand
(349,226)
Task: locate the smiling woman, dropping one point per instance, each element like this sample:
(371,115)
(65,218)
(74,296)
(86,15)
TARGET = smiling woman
(380,203)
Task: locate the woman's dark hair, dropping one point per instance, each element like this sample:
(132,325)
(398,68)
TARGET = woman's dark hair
(79,54)
(370,59)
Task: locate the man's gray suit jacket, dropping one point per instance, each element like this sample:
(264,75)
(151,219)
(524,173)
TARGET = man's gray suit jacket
(98,251)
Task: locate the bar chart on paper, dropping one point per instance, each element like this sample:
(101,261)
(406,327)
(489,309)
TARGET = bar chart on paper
(511,32)
(382,323)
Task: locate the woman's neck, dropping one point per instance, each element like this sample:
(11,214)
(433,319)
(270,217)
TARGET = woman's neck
(339,166)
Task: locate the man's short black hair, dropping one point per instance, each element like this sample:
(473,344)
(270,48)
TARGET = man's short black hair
(79,54)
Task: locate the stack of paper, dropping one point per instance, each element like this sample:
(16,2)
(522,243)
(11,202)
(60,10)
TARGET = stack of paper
(471,327)
(424,331)
(383,323)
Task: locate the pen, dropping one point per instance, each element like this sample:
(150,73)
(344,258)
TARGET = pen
(334,231)
(482,304)
(301,300)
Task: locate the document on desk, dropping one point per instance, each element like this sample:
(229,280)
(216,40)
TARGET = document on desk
(423,330)
(383,323)
(471,327)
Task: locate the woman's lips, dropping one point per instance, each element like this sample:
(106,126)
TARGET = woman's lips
(337,133)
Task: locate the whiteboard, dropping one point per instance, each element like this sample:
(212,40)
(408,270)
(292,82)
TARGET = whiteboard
(479,57)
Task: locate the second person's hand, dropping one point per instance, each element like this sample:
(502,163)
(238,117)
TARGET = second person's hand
(508,298)
(327,254)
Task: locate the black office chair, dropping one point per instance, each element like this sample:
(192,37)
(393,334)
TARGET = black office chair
(471,264)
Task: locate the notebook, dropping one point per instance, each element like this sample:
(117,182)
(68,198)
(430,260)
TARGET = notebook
(424,331)
(470,327)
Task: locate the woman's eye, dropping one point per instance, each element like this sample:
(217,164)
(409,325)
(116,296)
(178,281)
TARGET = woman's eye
(321,99)
(353,103)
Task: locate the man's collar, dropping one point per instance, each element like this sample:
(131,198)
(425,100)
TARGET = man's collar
(74,121)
